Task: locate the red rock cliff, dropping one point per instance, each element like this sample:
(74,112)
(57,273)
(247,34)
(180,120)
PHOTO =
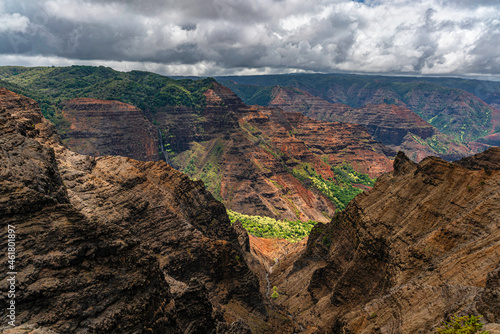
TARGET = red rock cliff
(100,127)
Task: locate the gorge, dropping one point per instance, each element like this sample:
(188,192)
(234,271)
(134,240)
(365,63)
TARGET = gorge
(110,244)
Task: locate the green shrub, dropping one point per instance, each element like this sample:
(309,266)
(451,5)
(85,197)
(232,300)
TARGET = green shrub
(266,227)
(341,190)
(275,293)
(462,325)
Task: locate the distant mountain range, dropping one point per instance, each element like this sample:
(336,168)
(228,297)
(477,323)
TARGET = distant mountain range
(450,105)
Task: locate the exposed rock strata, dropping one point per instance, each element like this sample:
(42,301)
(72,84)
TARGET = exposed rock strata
(256,149)
(395,126)
(244,154)
(114,245)
(455,112)
(99,127)
(423,244)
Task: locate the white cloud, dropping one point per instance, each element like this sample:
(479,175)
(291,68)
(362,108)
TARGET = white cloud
(230,36)
(13,22)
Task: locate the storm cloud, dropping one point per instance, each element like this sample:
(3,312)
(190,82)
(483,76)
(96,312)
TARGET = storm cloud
(217,37)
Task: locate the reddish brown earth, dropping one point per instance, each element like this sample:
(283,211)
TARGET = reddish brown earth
(422,245)
(244,154)
(493,139)
(395,126)
(448,109)
(115,245)
(271,251)
(100,127)
(252,155)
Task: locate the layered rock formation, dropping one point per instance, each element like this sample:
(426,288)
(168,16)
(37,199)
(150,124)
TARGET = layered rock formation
(422,245)
(395,126)
(101,127)
(198,130)
(247,155)
(455,112)
(114,245)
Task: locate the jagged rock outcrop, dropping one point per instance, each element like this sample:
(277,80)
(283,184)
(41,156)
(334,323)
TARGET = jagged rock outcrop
(422,245)
(101,127)
(393,125)
(115,245)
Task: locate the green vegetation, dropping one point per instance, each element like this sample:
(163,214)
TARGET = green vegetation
(462,325)
(210,173)
(341,190)
(266,227)
(275,293)
(148,91)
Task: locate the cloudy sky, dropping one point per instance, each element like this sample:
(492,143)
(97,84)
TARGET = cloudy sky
(217,37)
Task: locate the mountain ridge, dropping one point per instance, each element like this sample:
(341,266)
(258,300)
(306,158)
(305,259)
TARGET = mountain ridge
(453,111)
(395,126)
(202,128)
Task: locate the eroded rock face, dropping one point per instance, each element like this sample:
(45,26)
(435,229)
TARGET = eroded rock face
(387,123)
(251,158)
(423,244)
(101,127)
(114,245)
(244,154)
(393,125)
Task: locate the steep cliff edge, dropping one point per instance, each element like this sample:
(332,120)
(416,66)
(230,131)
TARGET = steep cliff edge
(101,127)
(114,245)
(422,245)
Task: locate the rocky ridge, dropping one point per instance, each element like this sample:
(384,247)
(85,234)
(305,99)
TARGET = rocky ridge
(115,245)
(423,244)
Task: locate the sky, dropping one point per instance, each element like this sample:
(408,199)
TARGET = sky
(237,37)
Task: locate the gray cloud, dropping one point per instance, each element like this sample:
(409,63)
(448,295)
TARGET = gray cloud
(195,37)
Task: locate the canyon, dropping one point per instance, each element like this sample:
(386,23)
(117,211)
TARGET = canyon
(115,245)
(111,239)
(448,104)
(395,126)
(256,160)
